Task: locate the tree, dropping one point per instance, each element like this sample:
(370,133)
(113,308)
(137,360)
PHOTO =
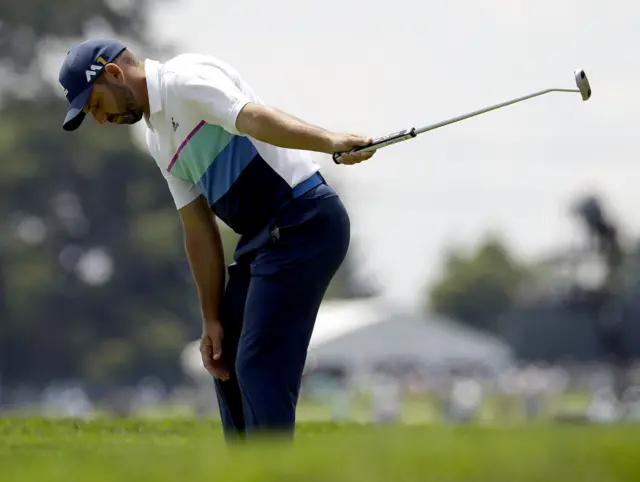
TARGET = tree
(476,289)
(25,27)
(94,282)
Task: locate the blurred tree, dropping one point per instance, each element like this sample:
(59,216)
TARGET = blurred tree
(26,26)
(478,288)
(94,282)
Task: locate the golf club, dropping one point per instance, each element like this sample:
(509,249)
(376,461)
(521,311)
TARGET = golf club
(584,89)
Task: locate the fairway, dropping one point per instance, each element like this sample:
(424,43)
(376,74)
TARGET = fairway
(34,449)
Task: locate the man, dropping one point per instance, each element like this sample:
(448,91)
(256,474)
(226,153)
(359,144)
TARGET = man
(226,154)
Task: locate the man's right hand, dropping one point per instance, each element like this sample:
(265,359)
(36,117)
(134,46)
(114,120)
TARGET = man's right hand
(211,350)
(345,142)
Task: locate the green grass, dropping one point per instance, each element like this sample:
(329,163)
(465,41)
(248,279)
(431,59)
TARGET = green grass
(191,450)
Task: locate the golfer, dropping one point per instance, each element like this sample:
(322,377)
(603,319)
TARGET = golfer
(227,155)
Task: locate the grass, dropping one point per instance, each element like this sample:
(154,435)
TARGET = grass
(191,450)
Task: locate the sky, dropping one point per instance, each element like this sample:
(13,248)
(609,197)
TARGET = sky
(374,67)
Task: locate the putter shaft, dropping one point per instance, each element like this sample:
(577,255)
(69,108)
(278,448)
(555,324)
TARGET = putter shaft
(412,132)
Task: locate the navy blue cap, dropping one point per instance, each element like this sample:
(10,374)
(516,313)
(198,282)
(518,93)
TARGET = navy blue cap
(84,63)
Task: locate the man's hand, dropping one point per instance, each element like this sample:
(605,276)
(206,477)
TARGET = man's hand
(211,350)
(345,142)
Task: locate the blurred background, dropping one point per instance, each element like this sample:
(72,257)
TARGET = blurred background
(494,270)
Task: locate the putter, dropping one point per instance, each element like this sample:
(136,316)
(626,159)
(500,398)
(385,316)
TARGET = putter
(584,89)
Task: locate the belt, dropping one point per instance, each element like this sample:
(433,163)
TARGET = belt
(307,185)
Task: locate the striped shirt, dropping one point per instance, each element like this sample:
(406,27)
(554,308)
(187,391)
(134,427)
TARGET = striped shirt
(191,133)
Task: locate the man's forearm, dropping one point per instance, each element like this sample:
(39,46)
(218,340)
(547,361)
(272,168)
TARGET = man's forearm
(206,257)
(278,128)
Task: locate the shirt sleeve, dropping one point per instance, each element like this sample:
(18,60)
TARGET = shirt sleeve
(212,94)
(183,192)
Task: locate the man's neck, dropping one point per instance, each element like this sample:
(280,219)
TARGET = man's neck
(143,93)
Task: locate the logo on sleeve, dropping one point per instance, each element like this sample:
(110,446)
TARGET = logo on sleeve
(174,124)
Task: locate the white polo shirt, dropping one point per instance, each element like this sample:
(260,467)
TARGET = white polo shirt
(194,102)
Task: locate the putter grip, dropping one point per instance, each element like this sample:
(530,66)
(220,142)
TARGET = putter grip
(381,142)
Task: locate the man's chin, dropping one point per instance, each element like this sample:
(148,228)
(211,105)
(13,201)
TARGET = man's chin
(128,121)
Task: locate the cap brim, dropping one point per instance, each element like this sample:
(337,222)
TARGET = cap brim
(75,114)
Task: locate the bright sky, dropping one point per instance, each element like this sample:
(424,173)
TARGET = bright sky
(374,67)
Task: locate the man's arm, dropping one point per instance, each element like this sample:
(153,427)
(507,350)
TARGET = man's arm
(203,246)
(270,125)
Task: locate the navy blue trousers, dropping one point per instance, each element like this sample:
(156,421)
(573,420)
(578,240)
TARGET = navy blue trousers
(269,308)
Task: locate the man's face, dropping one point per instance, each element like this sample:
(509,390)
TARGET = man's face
(113,101)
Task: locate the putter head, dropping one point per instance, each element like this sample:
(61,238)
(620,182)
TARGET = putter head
(583,84)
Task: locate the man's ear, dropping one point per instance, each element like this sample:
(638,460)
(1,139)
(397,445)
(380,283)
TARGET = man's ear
(115,71)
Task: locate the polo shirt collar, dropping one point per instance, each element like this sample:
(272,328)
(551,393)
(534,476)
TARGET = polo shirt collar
(152,71)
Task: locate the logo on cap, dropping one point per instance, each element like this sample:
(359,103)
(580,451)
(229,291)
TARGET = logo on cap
(89,74)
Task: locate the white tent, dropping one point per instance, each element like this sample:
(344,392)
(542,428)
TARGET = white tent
(361,333)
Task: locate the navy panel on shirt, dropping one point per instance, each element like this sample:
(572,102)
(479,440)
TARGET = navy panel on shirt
(226,168)
(251,200)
